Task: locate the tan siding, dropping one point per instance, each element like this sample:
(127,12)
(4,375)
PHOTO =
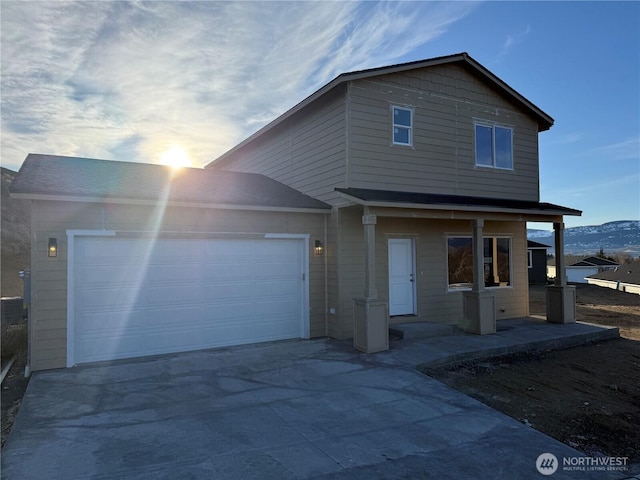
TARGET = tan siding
(447,100)
(333,294)
(316,150)
(48,307)
(49,275)
(434,302)
(351,262)
(306,152)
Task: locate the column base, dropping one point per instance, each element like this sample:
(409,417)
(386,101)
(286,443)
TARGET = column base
(561,304)
(479,313)
(371,325)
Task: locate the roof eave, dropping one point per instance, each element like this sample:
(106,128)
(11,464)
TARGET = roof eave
(458,208)
(151,202)
(545,121)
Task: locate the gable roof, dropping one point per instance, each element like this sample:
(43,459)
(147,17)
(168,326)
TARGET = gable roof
(594,262)
(536,245)
(390,198)
(544,120)
(90,180)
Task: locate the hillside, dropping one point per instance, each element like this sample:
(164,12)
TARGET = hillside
(15,239)
(621,236)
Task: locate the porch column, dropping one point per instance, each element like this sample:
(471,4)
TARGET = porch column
(561,298)
(561,275)
(479,305)
(371,314)
(478,256)
(495,277)
(369,221)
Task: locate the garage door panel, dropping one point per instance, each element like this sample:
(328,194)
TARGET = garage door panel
(284,269)
(227,271)
(213,293)
(95,348)
(156,296)
(174,341)
(112,298)
(181,250)
(161,274)
(273,326)
(105,322)
(91,276)
(275,307)
(136,297)
(174,316)
(270,289)
(231,311)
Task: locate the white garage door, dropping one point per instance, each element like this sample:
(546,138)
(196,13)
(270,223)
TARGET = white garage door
(578,274)
(135,297)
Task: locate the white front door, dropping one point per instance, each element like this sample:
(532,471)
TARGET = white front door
(402,285)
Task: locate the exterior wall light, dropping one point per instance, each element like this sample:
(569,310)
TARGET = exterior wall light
(319,248)
(52,249)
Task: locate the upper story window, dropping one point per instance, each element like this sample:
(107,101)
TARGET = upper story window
(402,126)
(494,146)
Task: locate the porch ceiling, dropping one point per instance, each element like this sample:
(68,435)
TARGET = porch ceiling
(427,205)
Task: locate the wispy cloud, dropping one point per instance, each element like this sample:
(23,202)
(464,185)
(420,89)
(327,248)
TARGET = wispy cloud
(624,150)
(127,80)
(589,188)
(512,40)
(567,138)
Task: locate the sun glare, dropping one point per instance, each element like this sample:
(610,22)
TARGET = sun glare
(176,157)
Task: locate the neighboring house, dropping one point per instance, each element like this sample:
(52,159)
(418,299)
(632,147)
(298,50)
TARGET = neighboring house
(537,262)
(625,278)
(579,268)
(396,194)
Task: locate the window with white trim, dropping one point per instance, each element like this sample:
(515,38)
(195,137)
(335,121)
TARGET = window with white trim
(494,146)
(497,262)
(402,129)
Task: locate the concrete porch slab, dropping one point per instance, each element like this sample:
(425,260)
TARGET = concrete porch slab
(408,331)
(512,336)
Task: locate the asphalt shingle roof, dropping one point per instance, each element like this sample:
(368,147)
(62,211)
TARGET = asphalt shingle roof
(532,244)
(629,273)
(389,196)
(594,261)
(50,175)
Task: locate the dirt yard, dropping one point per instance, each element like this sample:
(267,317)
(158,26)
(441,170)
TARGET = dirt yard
(14,345)
(587,397)
(599,305)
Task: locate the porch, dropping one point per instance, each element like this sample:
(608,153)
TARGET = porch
(472,268)
(527,334)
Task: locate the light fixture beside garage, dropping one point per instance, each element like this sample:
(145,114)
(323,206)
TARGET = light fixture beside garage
(319,249)
(52,249)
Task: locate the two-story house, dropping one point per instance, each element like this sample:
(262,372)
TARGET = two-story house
(420,162)
(397,194)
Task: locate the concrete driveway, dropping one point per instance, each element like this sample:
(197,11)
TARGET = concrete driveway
(297,409)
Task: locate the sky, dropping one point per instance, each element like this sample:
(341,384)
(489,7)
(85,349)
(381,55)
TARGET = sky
(133,80)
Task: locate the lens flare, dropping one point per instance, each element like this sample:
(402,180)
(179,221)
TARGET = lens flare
(176,157)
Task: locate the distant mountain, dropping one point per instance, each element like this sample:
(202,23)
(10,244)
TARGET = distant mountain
(622,236)
(15,226)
